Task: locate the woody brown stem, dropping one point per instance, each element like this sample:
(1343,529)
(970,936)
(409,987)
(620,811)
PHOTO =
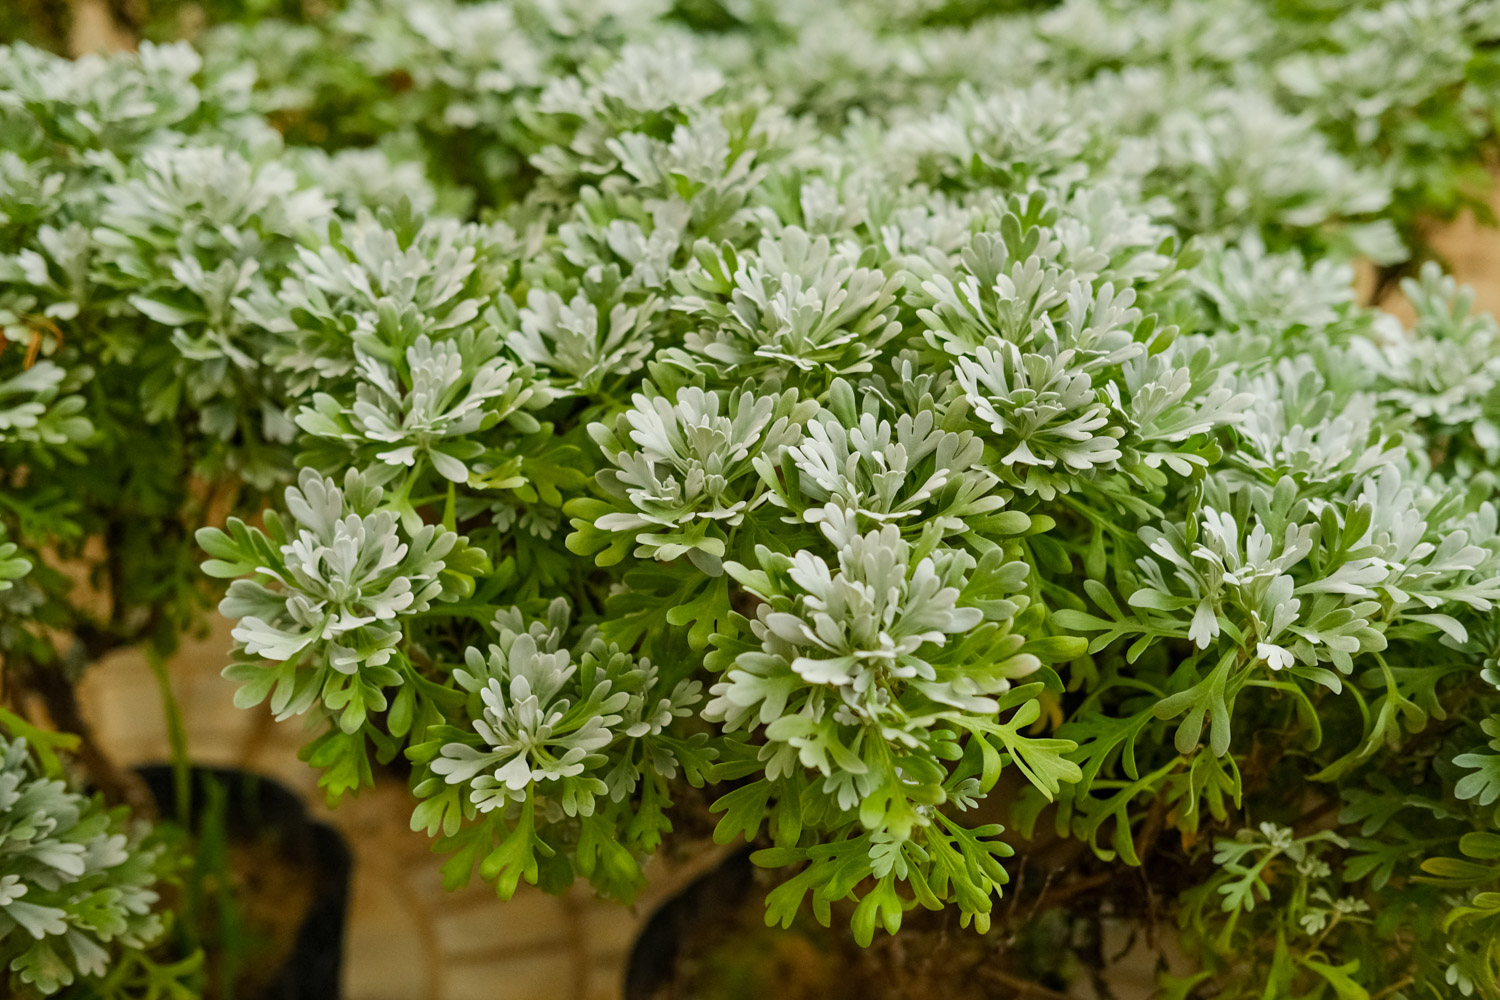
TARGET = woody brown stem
(120,786)
(1051,898)
(1023,987)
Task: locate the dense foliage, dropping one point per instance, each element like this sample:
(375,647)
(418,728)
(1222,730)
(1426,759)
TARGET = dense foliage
(77,898)
(932,432)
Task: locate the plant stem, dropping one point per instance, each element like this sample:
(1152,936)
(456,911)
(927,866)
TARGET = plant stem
(1395,987)
(1023,987)
(1051,898)
(182,778)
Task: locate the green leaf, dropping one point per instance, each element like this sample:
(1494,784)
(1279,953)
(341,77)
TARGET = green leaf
(1481,845)
(1041,760)
(515,857)
(1340,977)
(1484,784)
(709,612)
(344,761)
(744,810)
(1205,698)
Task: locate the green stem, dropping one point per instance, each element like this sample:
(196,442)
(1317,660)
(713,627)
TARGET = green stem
(182,777)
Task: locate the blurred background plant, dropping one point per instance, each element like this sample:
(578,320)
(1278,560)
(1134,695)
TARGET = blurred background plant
(141,196)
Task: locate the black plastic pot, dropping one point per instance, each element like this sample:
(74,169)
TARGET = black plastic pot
(255,804)
(654,955)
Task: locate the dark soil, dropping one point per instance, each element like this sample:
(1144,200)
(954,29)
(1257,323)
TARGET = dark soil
(263,895)
(272,889)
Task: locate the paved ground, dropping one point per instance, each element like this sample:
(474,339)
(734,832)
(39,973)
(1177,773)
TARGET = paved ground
(1469,251)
